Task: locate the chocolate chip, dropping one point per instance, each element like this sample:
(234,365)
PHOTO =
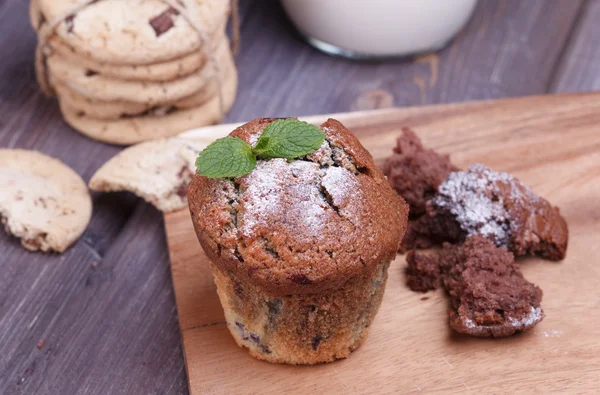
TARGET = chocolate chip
(316,341)
(69,23)
(184,172)
(255,338)
(181,190)
(33,243)
(90,73)
(265,349)
(184,175)
(42,20)
(239,291)
(274,306)
(163,22)
(299,278)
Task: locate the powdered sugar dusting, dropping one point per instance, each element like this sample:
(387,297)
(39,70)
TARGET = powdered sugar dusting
(469,323)
(253,139)
(478,199)
(296,192)
(553,333)
(340,184)
(534,316)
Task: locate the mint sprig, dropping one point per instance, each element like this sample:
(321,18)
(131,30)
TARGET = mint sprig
(288,138)
(227,157)
(231,157)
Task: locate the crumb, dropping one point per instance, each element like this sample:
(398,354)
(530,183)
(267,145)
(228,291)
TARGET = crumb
(41,344)
(422,271)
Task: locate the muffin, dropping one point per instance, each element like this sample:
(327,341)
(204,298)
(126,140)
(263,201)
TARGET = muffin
(300,249)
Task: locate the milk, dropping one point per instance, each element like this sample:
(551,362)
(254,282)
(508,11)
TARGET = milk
(379,28)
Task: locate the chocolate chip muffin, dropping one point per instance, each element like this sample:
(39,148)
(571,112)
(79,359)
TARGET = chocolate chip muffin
(300,248)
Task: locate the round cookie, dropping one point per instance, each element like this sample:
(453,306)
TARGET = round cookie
(133,31)
(111,110)
(157,171)
(159,72)
(98,109)
(42,201)
(148,127)
(35,16)
(97,86)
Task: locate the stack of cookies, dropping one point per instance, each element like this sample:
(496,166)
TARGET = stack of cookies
(129,71)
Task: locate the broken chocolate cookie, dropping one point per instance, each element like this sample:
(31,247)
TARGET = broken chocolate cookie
(495,205)
(489,295)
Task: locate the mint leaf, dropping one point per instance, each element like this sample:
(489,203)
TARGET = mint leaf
(289,139)
(227,157)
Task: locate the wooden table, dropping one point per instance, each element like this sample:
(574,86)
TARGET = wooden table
(101,318)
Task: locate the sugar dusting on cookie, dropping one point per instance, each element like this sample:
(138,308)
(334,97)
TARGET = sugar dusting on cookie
(535,315)
(478,199)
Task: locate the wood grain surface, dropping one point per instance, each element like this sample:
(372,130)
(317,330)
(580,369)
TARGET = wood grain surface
(550,143)
(103,314)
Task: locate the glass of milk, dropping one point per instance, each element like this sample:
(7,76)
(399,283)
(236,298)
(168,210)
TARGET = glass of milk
(372,29)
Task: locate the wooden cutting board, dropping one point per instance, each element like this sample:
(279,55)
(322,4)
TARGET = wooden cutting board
(552,143)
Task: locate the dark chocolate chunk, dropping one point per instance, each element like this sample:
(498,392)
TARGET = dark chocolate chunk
(69,23)
(42,20)
(239,291)
(274,306)
(316,341)
(181,190)
(163,22)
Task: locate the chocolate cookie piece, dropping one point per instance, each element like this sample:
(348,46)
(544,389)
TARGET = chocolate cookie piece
(416,172)
(422,271)
(489,295)
(495,205)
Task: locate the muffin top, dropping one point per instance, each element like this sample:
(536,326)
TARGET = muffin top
(304,225)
